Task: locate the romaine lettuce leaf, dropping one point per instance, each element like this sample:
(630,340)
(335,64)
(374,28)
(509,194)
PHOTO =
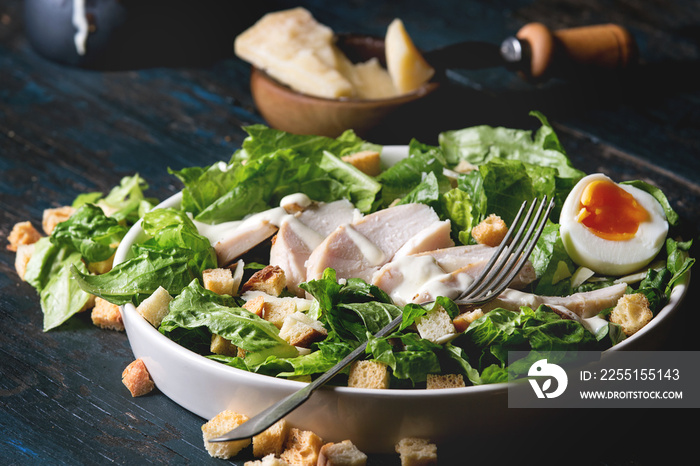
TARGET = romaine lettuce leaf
(196,307)
(90,232)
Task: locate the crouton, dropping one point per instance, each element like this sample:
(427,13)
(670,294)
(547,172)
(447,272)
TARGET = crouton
(368,374)
(23,233)
(301,448)
(490,231)
(464,320)
(219,425)
(298,329)
(275,309)
(436,381)
(631,312)
(220,345)
(107,315)
(137,379)
(435,325)
(22,257)
(255,305)
(89,304)
(344,453)
(464,167)
(52,217)
(416,452)
(271,441)
(270,280)
(367,161)
(219,281)
(268,460)
(101,267)
(155,307)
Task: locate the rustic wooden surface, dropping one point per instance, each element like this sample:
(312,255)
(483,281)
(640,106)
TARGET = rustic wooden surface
(65,130)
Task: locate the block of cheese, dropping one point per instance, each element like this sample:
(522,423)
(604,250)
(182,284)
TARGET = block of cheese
(292,47)
(407,67)
(370,80)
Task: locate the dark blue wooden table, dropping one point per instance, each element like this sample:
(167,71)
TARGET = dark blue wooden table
(176,96)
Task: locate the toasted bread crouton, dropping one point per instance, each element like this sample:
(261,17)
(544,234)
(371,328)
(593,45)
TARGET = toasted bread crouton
(219,281)
(101,267)
(298,329)
(89,304)
(344,453)
(52,217)
(271,441)
(267,460)
(464,167)
(23,233)
(301,448)
(22,257)
(256,305)
(367,161)
(155,307)
(220,345)
(436,381)
(137,379)
(107,315)
(270,280)
(435,324)
(219,425)
(275,309)
(368,374)
(464,320)
(490,231)
(416,452)
(632,313)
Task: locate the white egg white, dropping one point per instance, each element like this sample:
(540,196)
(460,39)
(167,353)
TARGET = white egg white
(608,257)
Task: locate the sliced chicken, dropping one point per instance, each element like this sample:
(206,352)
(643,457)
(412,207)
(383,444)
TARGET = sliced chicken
(446,272)
(584,305)
(300,234)
(233,239)
(325,217)
(453,258)
(242,239)
(361,248)
(428,239)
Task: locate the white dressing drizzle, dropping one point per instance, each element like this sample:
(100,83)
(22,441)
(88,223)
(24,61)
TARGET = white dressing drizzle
(81,25)
(374,255)
(307,235)
(296,199)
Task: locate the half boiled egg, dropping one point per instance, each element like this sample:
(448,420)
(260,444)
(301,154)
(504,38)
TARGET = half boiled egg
(611,228)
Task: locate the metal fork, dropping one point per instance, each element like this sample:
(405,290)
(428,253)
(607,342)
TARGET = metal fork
(504,265)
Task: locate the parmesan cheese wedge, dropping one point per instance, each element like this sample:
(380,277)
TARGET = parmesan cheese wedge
(296,50)
(407,67)
(292,47)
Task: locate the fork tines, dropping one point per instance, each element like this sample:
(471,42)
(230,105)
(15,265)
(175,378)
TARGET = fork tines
(511,255)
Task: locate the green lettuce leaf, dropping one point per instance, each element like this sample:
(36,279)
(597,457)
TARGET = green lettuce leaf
(90,232)
(196,307)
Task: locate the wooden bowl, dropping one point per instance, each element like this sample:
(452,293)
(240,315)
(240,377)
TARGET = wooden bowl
(286,109)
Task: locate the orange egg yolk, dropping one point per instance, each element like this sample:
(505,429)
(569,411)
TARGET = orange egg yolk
(610,212)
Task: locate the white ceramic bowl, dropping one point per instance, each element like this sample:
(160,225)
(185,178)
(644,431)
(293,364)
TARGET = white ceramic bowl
(373,419)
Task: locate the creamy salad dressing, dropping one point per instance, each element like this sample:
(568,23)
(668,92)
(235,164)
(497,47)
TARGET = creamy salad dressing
(81,25)
(275,216)
(307,235)
(374,255)
(422,278)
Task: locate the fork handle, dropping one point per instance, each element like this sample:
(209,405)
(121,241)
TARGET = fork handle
(277,411)
(603,46)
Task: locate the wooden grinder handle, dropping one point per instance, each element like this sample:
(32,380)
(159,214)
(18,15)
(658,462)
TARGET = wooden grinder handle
(603,46)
